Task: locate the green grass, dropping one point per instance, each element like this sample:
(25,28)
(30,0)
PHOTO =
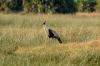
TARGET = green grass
(24,43)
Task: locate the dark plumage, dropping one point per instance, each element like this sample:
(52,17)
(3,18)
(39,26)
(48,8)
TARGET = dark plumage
(51,33)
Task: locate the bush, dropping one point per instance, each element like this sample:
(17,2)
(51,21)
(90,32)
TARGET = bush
(49,6)
(98,5)
(65,6)
(86,5)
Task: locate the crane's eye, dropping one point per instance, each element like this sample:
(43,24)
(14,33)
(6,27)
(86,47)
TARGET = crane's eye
(44,23)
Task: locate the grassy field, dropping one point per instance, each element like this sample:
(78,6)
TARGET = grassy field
(24,43)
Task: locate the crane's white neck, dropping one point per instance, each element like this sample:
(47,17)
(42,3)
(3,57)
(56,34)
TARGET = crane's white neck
(45,27)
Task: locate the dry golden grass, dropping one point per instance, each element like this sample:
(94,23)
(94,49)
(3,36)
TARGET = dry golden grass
(94,44)
(23,42)
(88,14)
(73,54)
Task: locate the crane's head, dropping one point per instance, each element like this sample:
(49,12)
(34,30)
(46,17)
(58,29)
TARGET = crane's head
(44,22)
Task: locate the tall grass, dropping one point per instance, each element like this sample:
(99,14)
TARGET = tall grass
(24,43)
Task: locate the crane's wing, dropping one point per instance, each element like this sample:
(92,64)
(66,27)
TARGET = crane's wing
(50,33)
(53,33)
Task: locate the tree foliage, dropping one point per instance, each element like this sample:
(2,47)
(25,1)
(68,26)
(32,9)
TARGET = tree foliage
(49,6)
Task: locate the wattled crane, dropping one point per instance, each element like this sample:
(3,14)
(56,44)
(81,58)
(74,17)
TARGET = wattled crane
(51,33)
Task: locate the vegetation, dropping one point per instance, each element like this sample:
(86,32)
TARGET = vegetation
(49,6)
(23,42)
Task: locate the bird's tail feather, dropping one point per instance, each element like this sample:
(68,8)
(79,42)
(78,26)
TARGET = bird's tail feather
(59,40)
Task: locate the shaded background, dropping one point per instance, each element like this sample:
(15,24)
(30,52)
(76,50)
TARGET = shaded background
(49,6)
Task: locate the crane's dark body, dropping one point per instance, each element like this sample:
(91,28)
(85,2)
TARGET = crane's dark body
(51,33)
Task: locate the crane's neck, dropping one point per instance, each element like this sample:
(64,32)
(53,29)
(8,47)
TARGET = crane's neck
(45,27)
